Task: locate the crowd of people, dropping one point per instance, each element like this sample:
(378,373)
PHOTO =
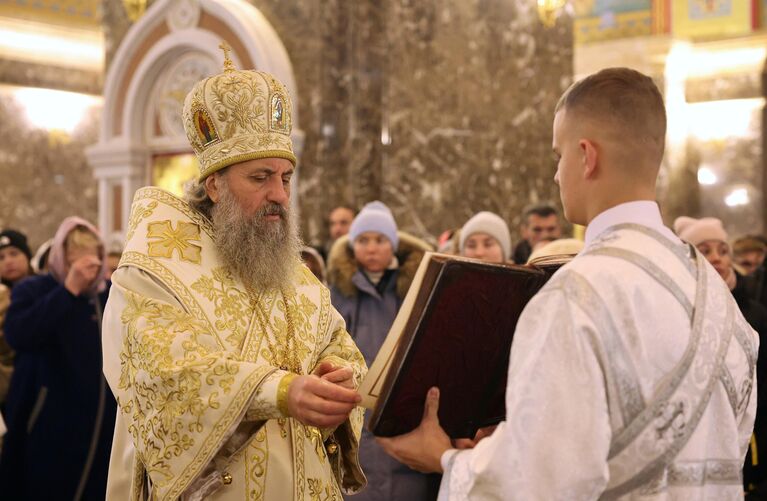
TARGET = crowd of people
(210,360)
(56,406)
(50,338)
(371,267)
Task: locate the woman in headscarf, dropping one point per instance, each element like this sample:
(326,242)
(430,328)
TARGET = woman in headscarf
(60,412)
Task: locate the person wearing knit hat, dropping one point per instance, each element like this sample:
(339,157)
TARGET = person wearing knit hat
(749,253)
(14,267)
(369,272)
(15,257)
(486,236)
(710,238)
(632,360)
(258,333)
(375,217)
(54,325)
(374,241)
(695,231)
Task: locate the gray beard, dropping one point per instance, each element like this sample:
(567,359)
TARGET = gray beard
(263,254)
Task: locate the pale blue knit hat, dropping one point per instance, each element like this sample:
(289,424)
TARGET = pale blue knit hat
(377,217)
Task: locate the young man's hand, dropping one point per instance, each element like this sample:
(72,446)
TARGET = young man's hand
(422,448)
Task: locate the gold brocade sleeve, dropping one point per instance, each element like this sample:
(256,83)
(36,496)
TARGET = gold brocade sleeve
(180,394)
(343,442)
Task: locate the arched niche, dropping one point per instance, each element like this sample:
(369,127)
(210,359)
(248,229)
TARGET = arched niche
(175,44)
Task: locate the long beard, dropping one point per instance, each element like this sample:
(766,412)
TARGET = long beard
(263,254)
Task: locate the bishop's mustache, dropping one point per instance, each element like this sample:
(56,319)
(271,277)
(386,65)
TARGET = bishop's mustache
(272,209)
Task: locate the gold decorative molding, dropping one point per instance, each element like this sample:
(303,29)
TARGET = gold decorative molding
(549,11)
(70,13)
(45,43)
(53,77)
(135,9)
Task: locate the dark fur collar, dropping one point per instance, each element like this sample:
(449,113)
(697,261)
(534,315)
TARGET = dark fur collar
(342,265)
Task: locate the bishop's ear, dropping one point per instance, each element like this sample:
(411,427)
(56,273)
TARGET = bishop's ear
(589,156)
(211,187)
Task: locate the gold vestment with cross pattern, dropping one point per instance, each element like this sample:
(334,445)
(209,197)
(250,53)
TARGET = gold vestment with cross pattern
(196,362)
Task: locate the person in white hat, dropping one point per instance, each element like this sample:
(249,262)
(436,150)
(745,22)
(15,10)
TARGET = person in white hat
(486,237)
(632,370)
(711,239)
(235,376)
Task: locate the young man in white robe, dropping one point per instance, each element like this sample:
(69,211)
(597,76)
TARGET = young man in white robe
(632,372)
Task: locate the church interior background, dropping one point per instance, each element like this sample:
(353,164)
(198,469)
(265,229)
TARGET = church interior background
(440,108)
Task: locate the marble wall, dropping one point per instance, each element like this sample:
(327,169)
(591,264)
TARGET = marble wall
(715,100)
(439,108)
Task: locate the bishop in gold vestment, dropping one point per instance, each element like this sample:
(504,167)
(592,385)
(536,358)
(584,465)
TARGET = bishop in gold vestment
(209,341)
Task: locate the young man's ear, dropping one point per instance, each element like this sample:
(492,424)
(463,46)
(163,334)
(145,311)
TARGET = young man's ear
(211,187)
(589,156)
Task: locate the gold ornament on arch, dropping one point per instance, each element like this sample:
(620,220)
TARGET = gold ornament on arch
(549,11)
(135,9)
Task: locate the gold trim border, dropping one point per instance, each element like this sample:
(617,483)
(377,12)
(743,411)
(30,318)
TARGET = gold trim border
(244,157)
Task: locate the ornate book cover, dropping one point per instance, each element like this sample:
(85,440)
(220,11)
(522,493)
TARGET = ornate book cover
(454,331)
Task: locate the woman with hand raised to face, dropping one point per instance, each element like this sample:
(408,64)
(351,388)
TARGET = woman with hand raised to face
(60,414)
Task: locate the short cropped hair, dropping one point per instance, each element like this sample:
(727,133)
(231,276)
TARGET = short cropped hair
(541,210)
(625,101)
(343,206)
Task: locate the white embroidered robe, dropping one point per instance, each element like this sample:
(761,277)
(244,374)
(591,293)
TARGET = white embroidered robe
(195,368)
(632,376)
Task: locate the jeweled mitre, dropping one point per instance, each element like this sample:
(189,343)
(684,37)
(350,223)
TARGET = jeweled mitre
(238,115)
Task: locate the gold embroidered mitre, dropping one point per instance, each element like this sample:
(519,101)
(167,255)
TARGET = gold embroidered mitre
(238,115)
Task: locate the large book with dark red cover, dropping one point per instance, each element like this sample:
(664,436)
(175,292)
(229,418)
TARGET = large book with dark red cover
(454,331)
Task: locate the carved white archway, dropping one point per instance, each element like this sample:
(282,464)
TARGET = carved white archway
(174,44)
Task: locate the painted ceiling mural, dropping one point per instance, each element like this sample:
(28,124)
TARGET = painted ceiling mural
(597,20)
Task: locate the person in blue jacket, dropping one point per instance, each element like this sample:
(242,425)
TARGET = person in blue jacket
(370,271)
(60,413)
